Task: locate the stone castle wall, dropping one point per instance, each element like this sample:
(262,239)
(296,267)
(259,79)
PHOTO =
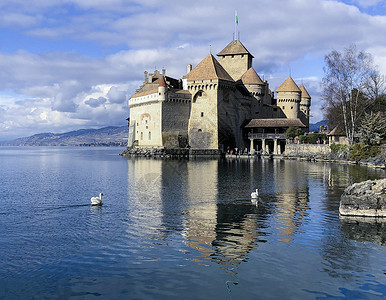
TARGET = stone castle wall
(236,65)
(147,120)
(303,150)
(175,119)
(203,122)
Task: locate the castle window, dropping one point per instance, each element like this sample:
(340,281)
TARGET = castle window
(199,130)
(283,107)
(149,135)
(202,114)
(233,56)
(242,55)
(292,107)
(141,135)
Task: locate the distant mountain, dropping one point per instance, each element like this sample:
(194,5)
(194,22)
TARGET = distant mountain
(107,136)
(316,126)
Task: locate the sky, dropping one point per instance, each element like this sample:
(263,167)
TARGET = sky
(72,64)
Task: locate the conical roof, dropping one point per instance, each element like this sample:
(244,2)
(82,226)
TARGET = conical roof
(251,77)
(304,92)
(234,47)
(162,81)
(288,85)
(208,68)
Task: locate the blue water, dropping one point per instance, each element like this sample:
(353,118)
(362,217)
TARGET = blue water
(181,229)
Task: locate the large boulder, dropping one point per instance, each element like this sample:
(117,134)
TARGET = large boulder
(366,199)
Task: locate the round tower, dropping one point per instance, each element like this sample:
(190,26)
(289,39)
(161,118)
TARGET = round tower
(162,89)
(288,98)
(305,104)
(253,83)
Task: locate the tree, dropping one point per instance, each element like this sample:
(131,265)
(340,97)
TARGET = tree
(346,75)
(292,132)
(373,129)
(375,91)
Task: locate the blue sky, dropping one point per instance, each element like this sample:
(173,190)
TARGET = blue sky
(70,64)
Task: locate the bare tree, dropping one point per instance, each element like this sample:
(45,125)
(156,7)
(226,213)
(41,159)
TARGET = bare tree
(375,86)
(346,75)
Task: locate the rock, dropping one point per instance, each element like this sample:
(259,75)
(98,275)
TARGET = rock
(366,199)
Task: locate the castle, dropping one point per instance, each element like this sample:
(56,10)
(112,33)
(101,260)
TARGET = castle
(218,105)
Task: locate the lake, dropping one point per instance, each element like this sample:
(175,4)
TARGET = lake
(181,229)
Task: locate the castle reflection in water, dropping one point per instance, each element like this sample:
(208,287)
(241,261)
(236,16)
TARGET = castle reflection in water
(206,204)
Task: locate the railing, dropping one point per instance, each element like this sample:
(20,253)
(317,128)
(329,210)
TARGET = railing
(272,136)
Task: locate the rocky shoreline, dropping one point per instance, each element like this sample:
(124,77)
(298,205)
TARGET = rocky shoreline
(364,199)
(169,152)
(373,162)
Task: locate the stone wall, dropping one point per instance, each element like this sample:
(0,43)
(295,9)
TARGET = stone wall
(175,118)
(235,65)
(302,150)
(203,122)
(147,118)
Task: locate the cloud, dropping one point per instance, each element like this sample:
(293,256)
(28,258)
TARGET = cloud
(116,95)
(95,102)
(109,44)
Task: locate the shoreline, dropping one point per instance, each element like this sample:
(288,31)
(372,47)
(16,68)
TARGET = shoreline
(310,159)
(377,163)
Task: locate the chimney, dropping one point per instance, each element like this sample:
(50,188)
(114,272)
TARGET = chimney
(190,67)
(145,76)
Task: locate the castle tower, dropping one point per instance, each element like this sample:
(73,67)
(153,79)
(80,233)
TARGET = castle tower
(235,59)
(253,83)
(288,98)
(305,104)
(256,87)
(210,86)
(162,89)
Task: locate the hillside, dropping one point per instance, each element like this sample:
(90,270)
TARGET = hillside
(107,136)
(316,126)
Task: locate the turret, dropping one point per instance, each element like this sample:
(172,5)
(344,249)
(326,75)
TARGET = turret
(305,104)
(162,89)
(288,98)
(253,83)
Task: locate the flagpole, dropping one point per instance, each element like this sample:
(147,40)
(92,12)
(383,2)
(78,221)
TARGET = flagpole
(236,23)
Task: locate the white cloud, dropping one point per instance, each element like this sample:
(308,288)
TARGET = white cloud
(61,90)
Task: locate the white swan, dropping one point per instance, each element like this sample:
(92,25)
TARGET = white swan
(255,195)
(97,200)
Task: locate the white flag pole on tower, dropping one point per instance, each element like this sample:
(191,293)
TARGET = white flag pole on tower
(236,25)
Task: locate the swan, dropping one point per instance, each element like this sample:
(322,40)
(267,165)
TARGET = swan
(97,200)
(255,195)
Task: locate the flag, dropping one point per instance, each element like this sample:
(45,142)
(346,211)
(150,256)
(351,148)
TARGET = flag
(237,19)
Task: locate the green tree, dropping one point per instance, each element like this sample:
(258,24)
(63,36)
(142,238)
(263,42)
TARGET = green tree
(292,132)
(373,129)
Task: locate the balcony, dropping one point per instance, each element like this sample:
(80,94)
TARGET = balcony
(272,136)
